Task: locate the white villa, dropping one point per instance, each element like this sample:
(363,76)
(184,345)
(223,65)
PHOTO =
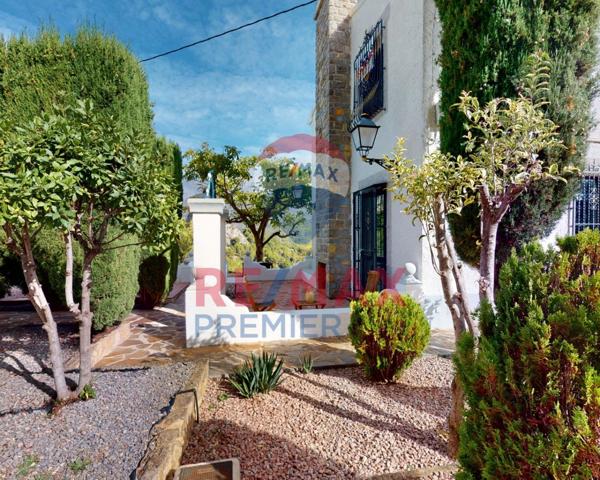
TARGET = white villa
(358,227)
(378,57)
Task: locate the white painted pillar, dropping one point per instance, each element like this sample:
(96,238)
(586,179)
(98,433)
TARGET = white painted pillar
(208,228)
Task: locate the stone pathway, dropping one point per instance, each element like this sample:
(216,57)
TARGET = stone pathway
(159,337)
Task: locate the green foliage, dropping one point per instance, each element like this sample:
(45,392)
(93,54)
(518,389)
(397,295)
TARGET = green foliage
(388,332)
(486,50)
(152,279)
(114,274)
(260,374)
(281,252)
(168,155)
(438,177)
(79,465)
(532,383)
(259,195)
(307,364)
(27,465)
(185,240)
(36,74)
(88,392)
(115,283)
(222,397)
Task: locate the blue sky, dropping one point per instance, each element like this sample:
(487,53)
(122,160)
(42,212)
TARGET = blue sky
(246,89)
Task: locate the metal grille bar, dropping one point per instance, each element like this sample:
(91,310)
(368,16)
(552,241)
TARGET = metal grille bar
(586,205)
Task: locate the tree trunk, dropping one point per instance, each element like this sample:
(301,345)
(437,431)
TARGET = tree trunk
(489,232)
(455,417)
(85,325)
(38,299)
(451,278)
(461,290)
(259,250)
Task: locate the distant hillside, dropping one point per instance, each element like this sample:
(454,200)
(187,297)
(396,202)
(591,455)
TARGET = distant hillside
(282,252)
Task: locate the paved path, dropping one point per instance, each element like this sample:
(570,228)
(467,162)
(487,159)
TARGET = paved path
(159,337)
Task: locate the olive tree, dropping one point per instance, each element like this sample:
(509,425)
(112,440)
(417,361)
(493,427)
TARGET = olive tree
(84,176)
(258,191)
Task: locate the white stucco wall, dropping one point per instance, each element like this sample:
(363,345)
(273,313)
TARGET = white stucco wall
(404,114)
(411,43)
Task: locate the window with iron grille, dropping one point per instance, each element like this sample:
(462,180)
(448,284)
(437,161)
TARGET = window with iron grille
(586,205)
(368,74)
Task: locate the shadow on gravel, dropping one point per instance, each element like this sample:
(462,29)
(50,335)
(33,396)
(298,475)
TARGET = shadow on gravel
(405,394)
(433,400)
(21,371)
(24,352)
(261,455)
(428,438)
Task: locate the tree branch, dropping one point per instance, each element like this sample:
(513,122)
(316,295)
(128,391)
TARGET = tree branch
(73,307)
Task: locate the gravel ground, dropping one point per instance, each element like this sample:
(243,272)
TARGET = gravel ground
(330,424)
(108,435)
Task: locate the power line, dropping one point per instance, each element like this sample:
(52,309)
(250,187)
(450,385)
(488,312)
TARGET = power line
(227,32)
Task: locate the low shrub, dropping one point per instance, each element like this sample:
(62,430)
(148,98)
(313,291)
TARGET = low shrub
(532,382)
(388,332)
(260,374)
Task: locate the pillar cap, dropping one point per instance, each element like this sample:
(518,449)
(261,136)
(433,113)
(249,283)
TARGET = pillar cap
(206,205)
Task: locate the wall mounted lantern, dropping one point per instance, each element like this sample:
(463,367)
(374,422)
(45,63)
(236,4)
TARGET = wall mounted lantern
(364,132)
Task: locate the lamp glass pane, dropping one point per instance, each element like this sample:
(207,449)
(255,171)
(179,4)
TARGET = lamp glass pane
(367,136)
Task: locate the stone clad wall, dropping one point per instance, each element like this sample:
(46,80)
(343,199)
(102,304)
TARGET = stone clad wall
(333,111)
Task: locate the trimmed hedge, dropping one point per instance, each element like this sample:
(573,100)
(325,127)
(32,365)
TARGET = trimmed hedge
(153,280)
(158,272)
(37,73)
(533,381)
(388,331)
(114,277)
(115,284)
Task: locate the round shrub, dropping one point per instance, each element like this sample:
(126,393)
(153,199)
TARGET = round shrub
(388,331)
(532,382)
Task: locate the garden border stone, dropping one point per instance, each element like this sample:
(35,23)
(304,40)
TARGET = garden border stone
(105,342)
(169,437)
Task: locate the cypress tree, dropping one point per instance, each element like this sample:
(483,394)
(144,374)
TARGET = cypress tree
(532,381)
(45,72)
(485,47)
(40,73)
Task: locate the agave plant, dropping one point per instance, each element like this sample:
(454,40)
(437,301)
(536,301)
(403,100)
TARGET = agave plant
(307,364)
(260,374)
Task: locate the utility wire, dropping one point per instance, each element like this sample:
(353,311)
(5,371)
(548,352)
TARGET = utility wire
(227,32)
